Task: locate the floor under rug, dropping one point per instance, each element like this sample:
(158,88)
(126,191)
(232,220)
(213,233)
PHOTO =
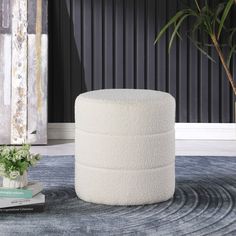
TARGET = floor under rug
(204,204)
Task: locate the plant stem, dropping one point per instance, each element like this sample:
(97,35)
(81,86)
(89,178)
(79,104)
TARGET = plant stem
(222,58)
(198,5)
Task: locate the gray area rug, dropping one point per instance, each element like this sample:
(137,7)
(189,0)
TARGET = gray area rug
(204,204)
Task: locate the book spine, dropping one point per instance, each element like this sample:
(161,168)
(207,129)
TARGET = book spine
(23,209)
(10,202)
(16,193)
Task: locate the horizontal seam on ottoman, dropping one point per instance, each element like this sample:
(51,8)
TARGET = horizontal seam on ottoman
(124,169)
(101,101)
(124,135)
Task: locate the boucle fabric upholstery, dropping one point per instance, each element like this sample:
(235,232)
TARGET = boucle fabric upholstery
(125,112)
(132,152)
(125,146)
(124,187)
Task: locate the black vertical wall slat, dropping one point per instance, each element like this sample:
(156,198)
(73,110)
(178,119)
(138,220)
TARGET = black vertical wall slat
(172,70)
(233,115)
(230,103)
(97,44)
(87,43)
(226,96)
(214,85)
(108,43)
(129,44)
(150,47)
(183,76)
(65,51)
(193,79)
(215,82)
(77,73)
(140,44)
(56,81)
(233,67)
(193,84)
(225,104)
(204,88)
(119,43)
(161,47)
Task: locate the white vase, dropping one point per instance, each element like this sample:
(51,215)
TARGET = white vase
(20,182)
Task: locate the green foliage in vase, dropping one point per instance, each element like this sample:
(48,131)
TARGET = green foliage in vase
(15,161)
(210,27)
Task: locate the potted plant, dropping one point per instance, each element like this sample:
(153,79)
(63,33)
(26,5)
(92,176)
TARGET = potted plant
(14,164)
(210,25)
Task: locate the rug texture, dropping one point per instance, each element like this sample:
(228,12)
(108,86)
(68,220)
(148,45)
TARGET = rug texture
(203,204)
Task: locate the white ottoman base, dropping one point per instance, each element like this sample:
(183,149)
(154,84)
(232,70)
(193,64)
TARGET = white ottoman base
(124,187)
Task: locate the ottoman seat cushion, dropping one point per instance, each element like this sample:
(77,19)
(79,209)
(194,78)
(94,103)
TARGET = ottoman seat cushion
(125,146)
(125,112)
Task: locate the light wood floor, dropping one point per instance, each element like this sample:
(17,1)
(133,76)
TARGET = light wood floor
(183,147)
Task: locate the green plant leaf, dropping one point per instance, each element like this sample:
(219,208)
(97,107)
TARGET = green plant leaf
(197,25)
(232,51)
(169,23)
(231,36)
(220,7)
(16,159)
(178,34)
(205,53)
(224,16)
(176,29)
(207,16)
(197,5)
(217,12)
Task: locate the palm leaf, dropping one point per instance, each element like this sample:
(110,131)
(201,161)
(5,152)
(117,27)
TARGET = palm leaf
(177,28)
(178,34)
(224,16)
(197,5)
(205,53)
(169,23)
(217,11)
(207,16)
(197,24)
(231,36)
(232,51)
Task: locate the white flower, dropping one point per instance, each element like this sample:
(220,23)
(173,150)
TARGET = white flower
(14,174)
(6,152)
(21,154)
(2,169)
(16,157)
(30,157)
(33,161)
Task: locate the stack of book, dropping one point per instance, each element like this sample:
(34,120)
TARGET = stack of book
(28,199)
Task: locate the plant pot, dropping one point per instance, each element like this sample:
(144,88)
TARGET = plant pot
(20,182)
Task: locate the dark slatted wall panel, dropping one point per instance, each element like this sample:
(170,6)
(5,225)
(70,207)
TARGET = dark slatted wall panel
(97,44)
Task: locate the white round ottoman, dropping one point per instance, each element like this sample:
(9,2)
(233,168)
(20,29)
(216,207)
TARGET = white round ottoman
(125,146)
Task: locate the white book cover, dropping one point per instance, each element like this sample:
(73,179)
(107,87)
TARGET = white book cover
(10,202)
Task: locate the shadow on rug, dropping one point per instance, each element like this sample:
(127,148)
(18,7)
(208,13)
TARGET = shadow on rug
(203,204)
